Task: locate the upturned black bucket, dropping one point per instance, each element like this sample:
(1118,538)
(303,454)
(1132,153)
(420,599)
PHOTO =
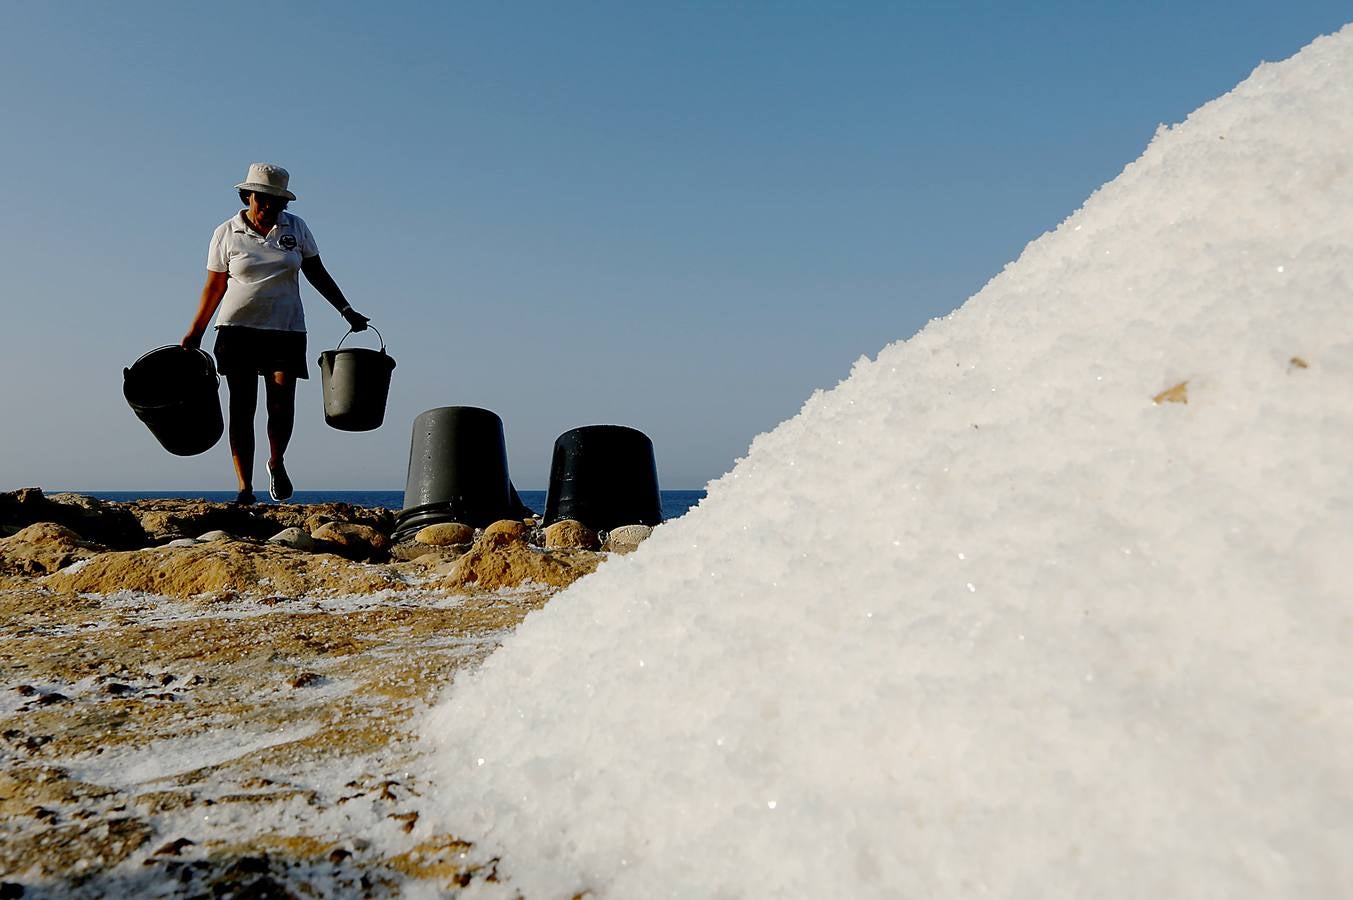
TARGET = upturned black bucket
(175,391)
(603,476)
(356,385)
(457,471)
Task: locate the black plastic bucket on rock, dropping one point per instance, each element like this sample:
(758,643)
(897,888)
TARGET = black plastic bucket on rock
(457,471)
(175,392)
(356,385)
(603,476)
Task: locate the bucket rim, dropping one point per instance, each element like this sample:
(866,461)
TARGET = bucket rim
(358,352)
(174,347)
(410,511)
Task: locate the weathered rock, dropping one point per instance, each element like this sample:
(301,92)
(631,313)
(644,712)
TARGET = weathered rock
(99,521)
(43,548)
(501,559)
(162,519)
(91,506)
(430,570)
(509,528)
(568,534)
(143,523)
(239,566)
(406,551)
(26,496)
(46,532)
(626,538)
(318,514)
(445,534)
(295,538)
(354,541)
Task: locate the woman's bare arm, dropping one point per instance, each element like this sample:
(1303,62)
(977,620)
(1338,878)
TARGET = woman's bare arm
(319,277)
(212,292)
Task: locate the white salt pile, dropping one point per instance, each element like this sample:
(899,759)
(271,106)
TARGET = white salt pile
(986,619)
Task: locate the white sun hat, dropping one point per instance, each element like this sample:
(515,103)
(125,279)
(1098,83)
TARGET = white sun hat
(265,178)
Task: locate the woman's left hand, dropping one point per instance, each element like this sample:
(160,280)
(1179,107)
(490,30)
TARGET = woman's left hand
(356,321)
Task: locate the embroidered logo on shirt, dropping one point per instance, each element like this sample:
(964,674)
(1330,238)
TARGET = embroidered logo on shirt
(287,241)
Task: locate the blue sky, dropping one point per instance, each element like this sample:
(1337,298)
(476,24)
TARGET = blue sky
(683,217)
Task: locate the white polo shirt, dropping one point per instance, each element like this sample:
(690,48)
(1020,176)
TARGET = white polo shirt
(264,288)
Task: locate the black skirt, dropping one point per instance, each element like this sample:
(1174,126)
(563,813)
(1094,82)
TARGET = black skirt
(260,351)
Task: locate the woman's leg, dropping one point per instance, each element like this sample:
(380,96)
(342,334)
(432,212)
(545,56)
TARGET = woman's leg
(280,394)
(243,390)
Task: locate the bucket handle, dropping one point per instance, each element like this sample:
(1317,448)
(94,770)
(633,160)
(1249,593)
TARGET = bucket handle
(211,365)
(206,358)
(373,328)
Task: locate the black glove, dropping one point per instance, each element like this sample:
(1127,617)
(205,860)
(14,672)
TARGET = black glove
(356,321)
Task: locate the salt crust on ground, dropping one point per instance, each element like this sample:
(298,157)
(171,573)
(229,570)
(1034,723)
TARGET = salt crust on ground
(985,618)
(234,745)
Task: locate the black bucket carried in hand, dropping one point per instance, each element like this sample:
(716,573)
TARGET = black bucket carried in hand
(356,384)
(175,392)
(604,476)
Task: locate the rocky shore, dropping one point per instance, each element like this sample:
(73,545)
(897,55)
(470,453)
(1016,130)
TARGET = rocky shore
(201,699)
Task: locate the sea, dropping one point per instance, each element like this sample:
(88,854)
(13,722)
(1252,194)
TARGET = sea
(674,503)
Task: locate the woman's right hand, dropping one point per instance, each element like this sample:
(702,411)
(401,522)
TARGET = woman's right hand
(191,341)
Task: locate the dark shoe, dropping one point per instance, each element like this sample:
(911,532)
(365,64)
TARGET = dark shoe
(279,485)
(246,498)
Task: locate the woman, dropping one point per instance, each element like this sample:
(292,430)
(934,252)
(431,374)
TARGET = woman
(252,276)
